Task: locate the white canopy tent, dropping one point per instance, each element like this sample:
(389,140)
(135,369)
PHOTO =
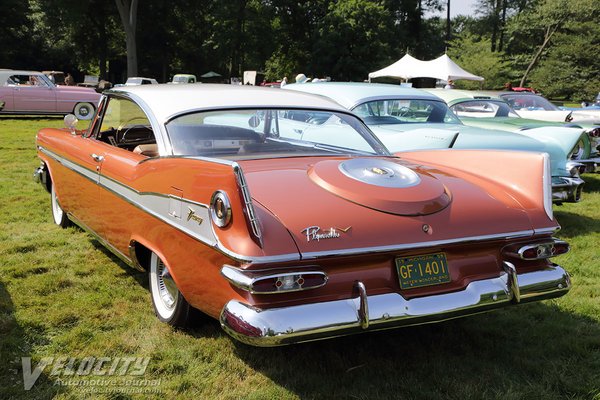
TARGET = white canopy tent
(442,68)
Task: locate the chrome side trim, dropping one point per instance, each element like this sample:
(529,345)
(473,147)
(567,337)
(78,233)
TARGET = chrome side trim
(547,231)
(308,322)
(103,241)
(239,174)
(199,158)
(417,245)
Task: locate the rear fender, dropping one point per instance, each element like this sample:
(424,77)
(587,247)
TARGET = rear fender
(522,176)
(564,137)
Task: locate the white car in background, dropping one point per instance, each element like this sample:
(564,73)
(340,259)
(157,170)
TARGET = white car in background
(534,106)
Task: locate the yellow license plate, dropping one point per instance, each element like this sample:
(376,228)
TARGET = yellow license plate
(425,270)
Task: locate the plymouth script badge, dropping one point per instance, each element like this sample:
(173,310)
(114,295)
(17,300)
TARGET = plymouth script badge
(316,233)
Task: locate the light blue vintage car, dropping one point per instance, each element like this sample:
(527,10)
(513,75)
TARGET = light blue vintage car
(410,119)
(487,111)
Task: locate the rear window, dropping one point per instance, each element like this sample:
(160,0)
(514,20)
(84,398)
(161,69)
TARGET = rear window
(265,133)
(405,111)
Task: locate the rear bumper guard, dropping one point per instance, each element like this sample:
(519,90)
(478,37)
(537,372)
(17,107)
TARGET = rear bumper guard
(591,164)
(566,189)
(307,322)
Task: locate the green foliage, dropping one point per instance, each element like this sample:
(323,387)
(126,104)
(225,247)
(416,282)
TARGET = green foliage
(558,41)
(569,69)
(474,55)
(344,39)
(352,31)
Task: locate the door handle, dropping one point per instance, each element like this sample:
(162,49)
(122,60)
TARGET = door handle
(97,158)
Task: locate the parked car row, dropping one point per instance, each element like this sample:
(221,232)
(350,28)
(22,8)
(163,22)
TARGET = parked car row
(402,119)
(291,217)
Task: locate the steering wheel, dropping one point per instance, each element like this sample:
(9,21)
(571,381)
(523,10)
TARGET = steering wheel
(406,112)
(124,134)
(120,134)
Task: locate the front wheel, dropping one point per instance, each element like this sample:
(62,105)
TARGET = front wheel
(84,111)
(169,304)
(58,215)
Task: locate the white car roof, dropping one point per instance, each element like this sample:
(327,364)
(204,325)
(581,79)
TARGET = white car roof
(352,94)
(166,101)
(7,73)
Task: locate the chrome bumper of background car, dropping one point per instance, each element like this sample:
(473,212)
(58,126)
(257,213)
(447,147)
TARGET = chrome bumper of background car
(286,325)
(591,164)
(566,189)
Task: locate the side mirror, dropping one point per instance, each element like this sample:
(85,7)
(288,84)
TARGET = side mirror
(70,122)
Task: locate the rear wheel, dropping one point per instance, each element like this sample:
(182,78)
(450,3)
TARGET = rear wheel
(169,304)
(58,215)
(84,111)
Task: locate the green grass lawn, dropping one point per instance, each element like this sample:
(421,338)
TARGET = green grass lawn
(62,294)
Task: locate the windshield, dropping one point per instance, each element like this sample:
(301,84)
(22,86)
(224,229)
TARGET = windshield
(529,102)
(483,109)
(182,79)
(265,133)
(405,111)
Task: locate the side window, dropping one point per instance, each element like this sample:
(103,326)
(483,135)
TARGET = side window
(27,80)
(125,125)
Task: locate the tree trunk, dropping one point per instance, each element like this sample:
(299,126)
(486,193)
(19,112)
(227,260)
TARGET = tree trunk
(495,23)
(550,30)
(502,26)
(448,25)
(128,12)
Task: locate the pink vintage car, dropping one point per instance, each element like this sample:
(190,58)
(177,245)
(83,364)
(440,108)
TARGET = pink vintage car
(31,92)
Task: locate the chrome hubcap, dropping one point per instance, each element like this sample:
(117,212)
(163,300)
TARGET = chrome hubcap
(166,286)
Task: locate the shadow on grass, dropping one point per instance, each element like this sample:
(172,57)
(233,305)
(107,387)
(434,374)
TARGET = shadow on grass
(573,225)
(15,343)
(592,183)
(140,277)
(528,351)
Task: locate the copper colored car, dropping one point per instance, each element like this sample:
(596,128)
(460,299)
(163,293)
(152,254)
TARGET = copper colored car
(283,216)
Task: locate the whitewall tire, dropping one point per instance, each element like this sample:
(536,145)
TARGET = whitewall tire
(58,215)
(169,304)
(84,111)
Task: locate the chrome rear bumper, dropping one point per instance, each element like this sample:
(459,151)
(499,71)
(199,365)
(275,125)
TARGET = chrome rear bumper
(566,189)
(286,325)
(591,164)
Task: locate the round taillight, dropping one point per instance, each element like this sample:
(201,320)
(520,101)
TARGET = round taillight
(220,209)
(594,133)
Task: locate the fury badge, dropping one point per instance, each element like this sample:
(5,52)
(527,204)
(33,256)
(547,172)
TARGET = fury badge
(192,216)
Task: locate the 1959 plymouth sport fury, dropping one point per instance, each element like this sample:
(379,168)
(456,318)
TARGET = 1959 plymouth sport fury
(282,215)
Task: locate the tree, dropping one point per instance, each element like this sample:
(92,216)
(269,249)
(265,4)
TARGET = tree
(128,13)
(474,54)
(540,24)
(352,38)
